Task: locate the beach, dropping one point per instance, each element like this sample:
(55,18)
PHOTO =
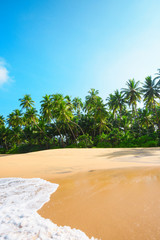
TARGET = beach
(106,193)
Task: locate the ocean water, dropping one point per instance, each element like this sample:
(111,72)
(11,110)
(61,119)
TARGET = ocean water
(19,201)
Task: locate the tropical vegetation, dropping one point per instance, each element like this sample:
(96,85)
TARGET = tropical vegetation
(66,122)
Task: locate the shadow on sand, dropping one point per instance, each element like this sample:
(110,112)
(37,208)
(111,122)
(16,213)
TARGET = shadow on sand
(4,155)
(135,152)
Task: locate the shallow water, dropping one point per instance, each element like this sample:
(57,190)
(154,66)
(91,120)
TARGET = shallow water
(119,204)
(19,201)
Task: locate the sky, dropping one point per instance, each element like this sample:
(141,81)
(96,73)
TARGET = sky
(69,47)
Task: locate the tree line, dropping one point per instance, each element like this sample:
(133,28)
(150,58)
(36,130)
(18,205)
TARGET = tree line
(66,122)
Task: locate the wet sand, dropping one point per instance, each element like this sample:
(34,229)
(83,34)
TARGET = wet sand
(120,204)
(107,193)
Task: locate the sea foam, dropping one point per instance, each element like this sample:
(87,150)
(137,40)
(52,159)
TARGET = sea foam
(19,201)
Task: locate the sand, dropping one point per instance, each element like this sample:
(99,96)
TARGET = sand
(107,193)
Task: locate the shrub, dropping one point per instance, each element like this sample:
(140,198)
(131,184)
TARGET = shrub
(74,145)
(151,144)
(104,145)
(2,150)
(102,141)
(84,141)
(24,148)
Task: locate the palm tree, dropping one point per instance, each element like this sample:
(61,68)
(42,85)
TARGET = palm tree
(47,108)
(68,100)
(116,102)
(63,110)
(145,119)
(120,101)
(3,133)
(151,92)
(100,114)
(158,77)
(15,119)
(91,99)
(2,121)
(111,102)
(132,94)
(5,137)
(90,105)
(48,105)
(77,105)
(30,117)
(26,102)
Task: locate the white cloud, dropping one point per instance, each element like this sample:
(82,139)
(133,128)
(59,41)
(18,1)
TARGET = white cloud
(4,74)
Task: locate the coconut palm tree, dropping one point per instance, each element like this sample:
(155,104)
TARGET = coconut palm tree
(26,102)
(158,77)
(15,118)
(15,121)
(68,100)
(120,101)
(90,106)
(2,121)
(31,117)
(78,106)
(145,119)
(5,137)
(132,94)
(116,102)
(151,92)
(63,111)
(100,114)
(47,108)
(91,99)
(111,102)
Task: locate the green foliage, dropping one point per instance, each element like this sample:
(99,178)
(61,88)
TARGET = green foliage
(115,137)
(102,141)
(24,148)
(66,122)
(147,141)
(84,141)
(104,145)
(2,150)
(74,145)
(151,143)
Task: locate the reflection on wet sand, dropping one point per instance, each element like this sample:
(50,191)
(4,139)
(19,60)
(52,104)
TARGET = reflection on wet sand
(115,204)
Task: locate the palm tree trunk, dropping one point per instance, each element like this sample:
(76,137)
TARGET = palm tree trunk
(77,126)
(60,135)
(58,130)
(139,133)
(132,118)
(120,113)
(6,144)
(72,132)
(40,128)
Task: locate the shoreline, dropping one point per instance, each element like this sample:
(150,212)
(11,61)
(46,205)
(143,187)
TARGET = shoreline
(104,203)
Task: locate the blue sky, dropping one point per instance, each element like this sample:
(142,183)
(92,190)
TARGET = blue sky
(68,47)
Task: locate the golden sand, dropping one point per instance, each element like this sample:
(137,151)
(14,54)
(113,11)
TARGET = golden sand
(107,193)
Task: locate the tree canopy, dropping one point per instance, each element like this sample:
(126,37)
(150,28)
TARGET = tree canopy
(66,122)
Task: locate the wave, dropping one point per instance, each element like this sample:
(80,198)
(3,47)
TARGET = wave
(19,201)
